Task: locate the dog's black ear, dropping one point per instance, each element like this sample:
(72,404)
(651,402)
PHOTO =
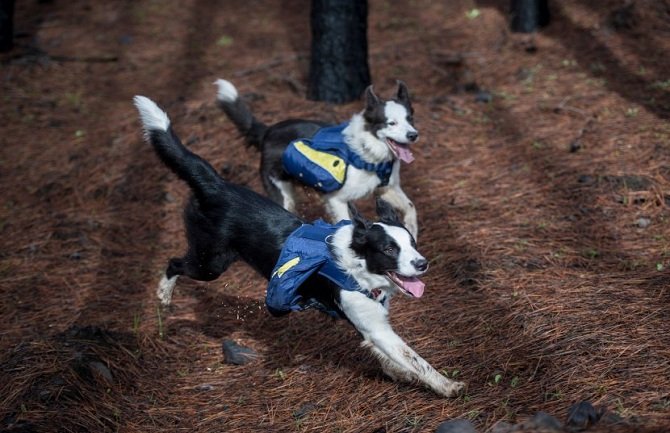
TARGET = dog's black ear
(386,212)
(361,226)
(356,217)
(403,94)
(371,100)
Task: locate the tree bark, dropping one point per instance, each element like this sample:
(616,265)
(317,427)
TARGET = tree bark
(529,15)
(339,69)
(6,25)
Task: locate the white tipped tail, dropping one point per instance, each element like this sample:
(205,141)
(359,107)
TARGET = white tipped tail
(153,118)
(227,92)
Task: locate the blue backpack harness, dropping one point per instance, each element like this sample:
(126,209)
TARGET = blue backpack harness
(321,161)
(305,252)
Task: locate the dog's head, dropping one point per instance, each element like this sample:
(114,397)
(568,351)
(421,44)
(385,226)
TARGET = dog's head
(392,121)
(388,249)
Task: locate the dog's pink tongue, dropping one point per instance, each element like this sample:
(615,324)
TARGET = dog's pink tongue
(413,285)
(405,154)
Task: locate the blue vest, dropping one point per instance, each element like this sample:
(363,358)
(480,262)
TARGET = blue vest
(321,161)
(305,252)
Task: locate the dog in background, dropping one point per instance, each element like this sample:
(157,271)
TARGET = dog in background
(226,222)
(380,134)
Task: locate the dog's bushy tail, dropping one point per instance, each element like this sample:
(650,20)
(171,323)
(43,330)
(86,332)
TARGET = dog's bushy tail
(195,171)
(239,113)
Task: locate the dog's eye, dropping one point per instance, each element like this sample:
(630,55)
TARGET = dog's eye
(392,123)
(389,250)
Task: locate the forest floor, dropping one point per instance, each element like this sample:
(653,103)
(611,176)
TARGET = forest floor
(542,183)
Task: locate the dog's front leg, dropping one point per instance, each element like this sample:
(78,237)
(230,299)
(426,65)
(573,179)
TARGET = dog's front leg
(398,360)
(337,208)
(396,197)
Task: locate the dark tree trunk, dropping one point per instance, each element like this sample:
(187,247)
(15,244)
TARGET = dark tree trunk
(529,15)
(339,69)
(6,25)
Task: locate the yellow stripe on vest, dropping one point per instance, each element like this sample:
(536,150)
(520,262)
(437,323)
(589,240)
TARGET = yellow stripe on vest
(286,266)
(331,163)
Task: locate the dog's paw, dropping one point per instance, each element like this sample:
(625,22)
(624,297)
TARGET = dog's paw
(452,389)
(165,288)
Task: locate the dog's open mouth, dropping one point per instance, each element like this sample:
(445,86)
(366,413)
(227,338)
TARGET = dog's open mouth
(400,150)
(411,286)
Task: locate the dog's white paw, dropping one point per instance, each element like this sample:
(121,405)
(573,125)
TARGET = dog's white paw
(165,288)
(452,389)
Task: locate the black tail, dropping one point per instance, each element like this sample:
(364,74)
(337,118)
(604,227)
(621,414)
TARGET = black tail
(240,114)
(198,173)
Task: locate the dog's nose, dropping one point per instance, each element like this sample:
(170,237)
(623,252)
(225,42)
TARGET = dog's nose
(420,264)
(412,136)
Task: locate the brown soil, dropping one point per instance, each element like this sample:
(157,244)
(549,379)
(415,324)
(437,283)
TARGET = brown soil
(543,289)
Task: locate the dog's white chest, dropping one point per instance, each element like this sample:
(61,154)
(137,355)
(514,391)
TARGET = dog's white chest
(358,184)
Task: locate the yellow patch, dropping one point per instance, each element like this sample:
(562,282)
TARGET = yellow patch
(331,163)
(286,266)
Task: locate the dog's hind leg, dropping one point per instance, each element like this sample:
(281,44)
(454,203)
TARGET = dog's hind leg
(281,192)
(399,361)
(200,267)
(174,269)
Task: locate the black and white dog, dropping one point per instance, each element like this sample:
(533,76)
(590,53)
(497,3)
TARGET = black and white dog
(381,133)
(225,222)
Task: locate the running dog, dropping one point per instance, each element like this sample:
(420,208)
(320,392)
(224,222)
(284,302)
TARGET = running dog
(361,264)
(377,139)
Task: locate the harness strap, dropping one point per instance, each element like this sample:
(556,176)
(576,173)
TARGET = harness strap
(333,135)
(383,169)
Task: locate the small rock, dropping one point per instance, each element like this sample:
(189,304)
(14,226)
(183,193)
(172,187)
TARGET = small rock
(643,223)
(204,387)
(75,256)
(585,178)
(483,96)
(44,395)
(575,146)
(304,410)
(542,420)
(582,415)
(169,198)
(236,354)
(456,426)
(101,369)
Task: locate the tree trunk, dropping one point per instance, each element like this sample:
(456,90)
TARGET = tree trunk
(6,25)
(339,69)
(529,15)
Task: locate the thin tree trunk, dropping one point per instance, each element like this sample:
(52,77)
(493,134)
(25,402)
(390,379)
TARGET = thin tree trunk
(339,69)
(6,25)
(529,15)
